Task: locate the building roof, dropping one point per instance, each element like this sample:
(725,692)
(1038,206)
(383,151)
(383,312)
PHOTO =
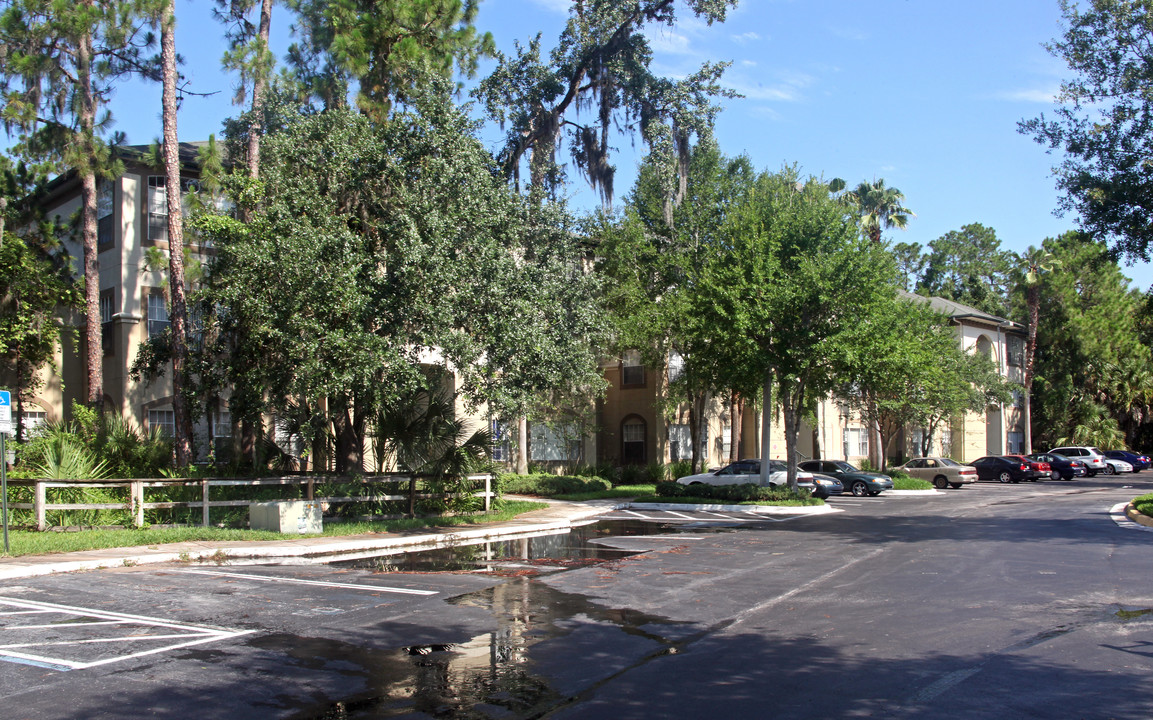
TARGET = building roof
(958,312)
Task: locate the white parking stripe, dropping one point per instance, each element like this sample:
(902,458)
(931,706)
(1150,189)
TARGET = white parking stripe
(680,515)
(319,583)
(61,626)
(190,634)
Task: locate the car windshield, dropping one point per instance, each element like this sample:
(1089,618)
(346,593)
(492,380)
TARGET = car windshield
(947,462)
(1096,450)
(777,466)
(845,467)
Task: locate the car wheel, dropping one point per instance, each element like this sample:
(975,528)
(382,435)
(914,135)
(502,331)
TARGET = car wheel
(940,482)
(956,486)
(860,489)
(874,493)
(1005,477)
(1110,470)
(1054,475)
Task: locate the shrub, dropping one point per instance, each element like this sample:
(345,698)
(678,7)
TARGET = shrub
(679,469)
(735,493)
(1144,504)
(632,475)
(655,472)
(544,484)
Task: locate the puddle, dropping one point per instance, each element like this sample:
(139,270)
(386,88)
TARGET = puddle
(1132,614)
(529,665)
(532,554)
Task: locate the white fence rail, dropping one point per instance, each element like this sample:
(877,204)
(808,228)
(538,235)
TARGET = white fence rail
(135,503)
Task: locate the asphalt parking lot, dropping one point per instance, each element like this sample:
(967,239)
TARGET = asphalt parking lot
(1043,571)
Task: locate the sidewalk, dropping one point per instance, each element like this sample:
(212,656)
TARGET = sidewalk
(560,515)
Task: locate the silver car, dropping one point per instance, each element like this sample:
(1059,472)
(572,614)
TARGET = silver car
(1093,458)
(748,471)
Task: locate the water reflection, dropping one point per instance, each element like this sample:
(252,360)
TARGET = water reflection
(529,554)
(514,670)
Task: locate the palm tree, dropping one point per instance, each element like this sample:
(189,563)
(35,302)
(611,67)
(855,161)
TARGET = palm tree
(422,434)
(879,207)
(1035,262)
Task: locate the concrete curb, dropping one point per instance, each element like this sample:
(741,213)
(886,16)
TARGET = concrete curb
(558,517)
(1138,517)
(759,509)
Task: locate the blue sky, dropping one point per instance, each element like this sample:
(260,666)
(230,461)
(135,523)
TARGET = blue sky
(925,95)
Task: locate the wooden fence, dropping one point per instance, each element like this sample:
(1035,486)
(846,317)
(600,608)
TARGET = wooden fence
(135,503)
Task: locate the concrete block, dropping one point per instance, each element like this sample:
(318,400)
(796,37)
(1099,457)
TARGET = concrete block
(295,517)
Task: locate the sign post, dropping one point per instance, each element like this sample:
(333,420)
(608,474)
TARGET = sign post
(5,429)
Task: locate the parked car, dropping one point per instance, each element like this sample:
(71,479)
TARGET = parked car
(858,482)
(748,471)
(1091,456)
(1137,460)
(1038,469)
(1002,469)
(825,486)
(942,472)
(1061,467)
(1113,466)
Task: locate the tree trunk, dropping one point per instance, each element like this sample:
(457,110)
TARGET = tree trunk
(259,83)
(346,458)
(522,445)
(766,426)
(182,414)
(1033,298)
(736,411)
(94,355)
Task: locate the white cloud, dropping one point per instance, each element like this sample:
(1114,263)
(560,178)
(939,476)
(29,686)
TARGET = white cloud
(786,87)
(746,37)
(558,6)
(668,41)
(748,63)
(1036,95)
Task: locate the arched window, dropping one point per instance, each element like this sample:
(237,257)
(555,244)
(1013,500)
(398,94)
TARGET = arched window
(633,432)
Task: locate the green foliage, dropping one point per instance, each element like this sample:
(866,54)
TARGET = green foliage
(93,446)
(548,485)
(1093,382)
(903,481)
(733,493)
(879,207)
(1101,121)
(1144,504)
(386,240)
(65,458)
(679,469)
(601,61)
(969,267)
(391,50)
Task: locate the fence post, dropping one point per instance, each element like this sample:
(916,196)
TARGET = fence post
(39,502)
(204,498)
(136,503)
(487,492)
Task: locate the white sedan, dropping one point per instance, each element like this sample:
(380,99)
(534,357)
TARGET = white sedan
(1114,466)
(748,471)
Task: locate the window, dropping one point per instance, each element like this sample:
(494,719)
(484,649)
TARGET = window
(1016,352)
(158,205)
(33,419)
(726,441)
(680,442)
(107,339)
(222,435)
(633,440)
(157,314)
(918,439)
(856,442)
(947,442)
(676,367)
(556,443)
(632,371)
(501,440)
(162,420)
(1016,442)
(105,195)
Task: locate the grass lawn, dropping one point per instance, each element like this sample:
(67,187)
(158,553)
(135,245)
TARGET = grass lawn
(1144,504)
(905,482)
(800,502)
(25,542)
(620,491)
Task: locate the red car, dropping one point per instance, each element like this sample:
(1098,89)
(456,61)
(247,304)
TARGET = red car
(1037,468)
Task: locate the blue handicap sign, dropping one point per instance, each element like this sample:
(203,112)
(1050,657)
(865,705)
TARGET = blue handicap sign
(5,398)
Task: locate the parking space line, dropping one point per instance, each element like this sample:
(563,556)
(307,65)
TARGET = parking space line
(190,635)
(319,583)
(680,515)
